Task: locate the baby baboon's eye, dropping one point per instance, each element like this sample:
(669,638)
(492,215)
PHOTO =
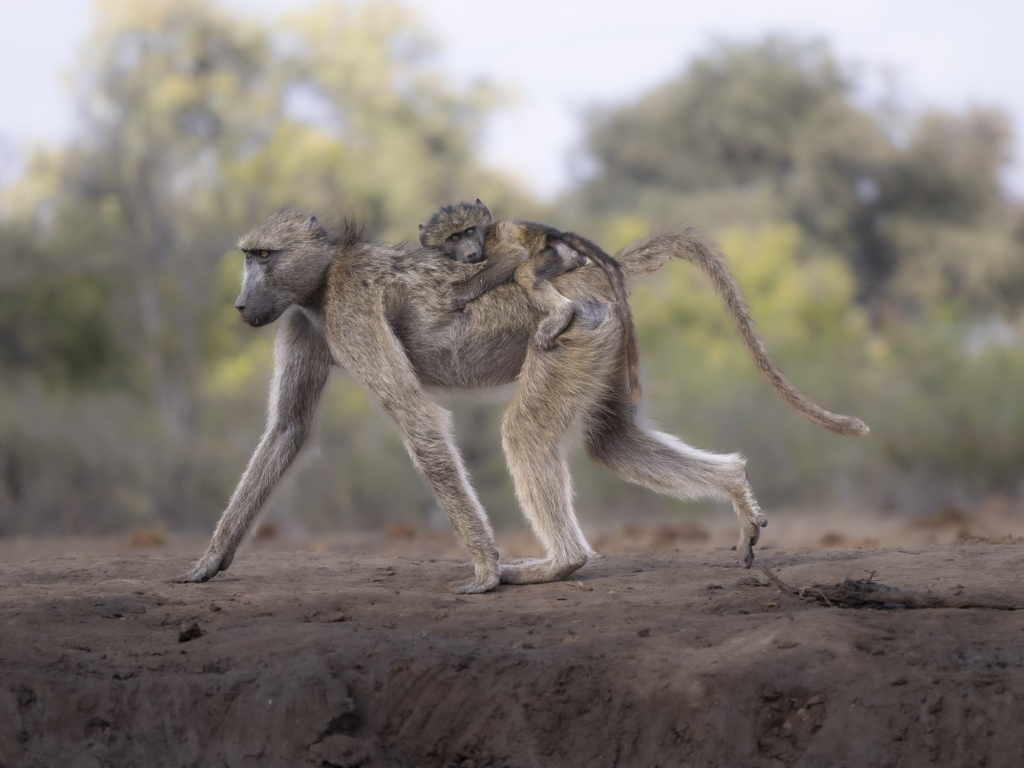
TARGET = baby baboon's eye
(454,238)
(248,254)
(264,254)
(471,230)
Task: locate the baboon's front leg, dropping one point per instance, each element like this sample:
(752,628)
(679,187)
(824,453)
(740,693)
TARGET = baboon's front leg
(376,358)
(302,363)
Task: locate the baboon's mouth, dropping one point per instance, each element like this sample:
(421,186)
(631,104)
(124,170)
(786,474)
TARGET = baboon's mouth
(263,318)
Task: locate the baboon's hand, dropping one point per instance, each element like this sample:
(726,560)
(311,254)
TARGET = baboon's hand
(209,565)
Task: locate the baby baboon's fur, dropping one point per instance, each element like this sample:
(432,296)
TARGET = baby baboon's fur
(383,313)
(531,254)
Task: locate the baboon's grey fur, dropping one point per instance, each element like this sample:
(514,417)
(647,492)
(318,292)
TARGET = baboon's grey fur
(531,254)
(383,313)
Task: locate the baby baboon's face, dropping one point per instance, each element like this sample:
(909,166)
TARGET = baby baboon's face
(458,231)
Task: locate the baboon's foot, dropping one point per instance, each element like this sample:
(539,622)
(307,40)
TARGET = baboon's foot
(209,565)
(540,571)
(487,574)
(477,587)
(750,532)
(549,329)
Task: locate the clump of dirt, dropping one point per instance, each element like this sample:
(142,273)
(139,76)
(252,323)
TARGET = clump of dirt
(868,593)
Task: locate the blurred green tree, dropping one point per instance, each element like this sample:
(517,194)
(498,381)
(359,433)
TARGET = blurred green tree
(774,132)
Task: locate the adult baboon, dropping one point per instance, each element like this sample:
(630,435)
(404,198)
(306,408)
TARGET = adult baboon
(383,313)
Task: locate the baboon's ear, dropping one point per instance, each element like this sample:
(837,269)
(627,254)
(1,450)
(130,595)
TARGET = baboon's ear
(318,230)
(423,229)
(480,204)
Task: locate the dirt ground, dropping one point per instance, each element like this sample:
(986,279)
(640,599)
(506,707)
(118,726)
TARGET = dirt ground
(660,653)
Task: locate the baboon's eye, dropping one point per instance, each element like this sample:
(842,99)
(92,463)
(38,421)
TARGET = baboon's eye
(264,254)
(471,230)
(248,254)
(454,238)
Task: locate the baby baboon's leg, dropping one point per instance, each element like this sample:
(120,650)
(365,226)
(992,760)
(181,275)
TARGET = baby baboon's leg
(535,278)
(571,259)
(555,387)
(558,313)
(665,464)
(377,359)
(302,363)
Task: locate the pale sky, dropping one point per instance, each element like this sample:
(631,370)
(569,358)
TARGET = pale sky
(560,56)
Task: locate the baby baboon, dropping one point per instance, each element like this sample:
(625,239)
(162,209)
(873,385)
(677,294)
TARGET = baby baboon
(531,254)
(384,314)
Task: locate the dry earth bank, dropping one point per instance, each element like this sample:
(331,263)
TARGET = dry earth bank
(647,659)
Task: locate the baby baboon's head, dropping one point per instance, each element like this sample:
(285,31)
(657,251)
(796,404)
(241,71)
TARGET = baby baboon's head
(286,258)
(457,231)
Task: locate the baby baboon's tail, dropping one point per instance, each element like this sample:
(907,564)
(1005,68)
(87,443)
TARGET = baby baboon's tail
(646,255)
(614,274)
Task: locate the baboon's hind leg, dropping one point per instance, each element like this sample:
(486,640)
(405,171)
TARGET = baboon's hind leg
(555,387)
(665,464)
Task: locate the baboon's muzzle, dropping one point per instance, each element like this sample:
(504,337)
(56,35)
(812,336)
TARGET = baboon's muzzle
(257,316)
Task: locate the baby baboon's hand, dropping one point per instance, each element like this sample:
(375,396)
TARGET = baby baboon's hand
(209,565)
(462,294)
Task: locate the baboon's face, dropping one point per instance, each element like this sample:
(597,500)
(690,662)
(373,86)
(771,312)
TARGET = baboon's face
(261,301)
(458,231)
(286,259)
(466,245)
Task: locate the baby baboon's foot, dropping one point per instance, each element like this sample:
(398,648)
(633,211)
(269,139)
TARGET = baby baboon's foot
(549,329)
(572,258)
(750,532)
(209,565)
(540,571)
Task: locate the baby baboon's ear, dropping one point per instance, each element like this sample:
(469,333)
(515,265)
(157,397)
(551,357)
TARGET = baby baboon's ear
(312,222)
(480,204)
(423,229)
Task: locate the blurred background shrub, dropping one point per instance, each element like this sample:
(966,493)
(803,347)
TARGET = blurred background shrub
(882,259)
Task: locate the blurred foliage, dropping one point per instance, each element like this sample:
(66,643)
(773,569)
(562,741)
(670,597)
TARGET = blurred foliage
(116,315)
(774,132)
(880,255)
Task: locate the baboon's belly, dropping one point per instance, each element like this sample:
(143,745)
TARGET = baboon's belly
(460,356)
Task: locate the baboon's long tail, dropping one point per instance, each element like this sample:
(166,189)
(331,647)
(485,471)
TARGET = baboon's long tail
(613,272)
(646,255)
